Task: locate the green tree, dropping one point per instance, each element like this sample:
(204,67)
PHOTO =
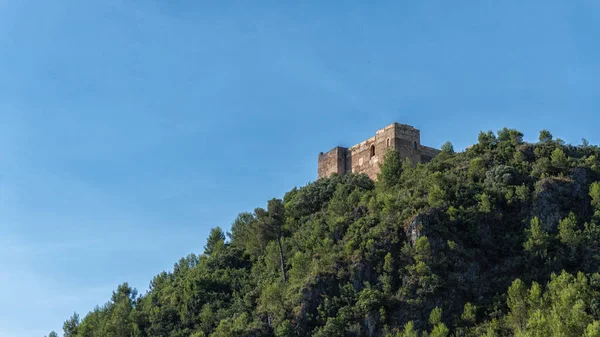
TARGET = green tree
(447,147)
(510,136)
(517,294)
(559,159)
(439,328)
(241,230)
(477,168)
(595,194)
(409,330)
(537,239)
(70,326)
(391,169)
(487,140)
(568,232)
(120,321)
(216,240)
(435,317)
(270,224)
(545,136)
(485,204)
(469,313)
(593,329)
(436,196)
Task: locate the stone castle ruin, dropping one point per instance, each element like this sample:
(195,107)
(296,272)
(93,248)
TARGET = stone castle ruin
(366,156)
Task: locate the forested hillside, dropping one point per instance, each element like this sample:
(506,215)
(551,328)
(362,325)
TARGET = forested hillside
(500,240)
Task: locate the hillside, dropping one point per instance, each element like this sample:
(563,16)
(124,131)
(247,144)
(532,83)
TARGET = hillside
(500,240)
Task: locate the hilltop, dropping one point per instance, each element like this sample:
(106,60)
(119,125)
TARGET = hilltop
(502,239)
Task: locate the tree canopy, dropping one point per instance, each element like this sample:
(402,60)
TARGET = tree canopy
(502,239)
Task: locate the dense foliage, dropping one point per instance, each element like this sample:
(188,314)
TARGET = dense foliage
(502,239)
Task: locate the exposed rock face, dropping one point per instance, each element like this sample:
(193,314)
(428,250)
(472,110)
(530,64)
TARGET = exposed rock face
(547,200)
(417,226)
(552,196)
(309,301)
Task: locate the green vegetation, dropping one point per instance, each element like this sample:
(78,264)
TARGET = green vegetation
(500,240)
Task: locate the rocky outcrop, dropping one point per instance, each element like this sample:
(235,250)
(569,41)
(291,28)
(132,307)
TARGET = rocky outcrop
(417,226)
(555,197)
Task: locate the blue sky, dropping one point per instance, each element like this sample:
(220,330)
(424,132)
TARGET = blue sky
(129,128)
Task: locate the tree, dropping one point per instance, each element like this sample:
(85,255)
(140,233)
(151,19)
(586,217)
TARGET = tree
(510,136)
(119,308)
(70,326)
(391,169)
(469,313)
(593,329)
(517,294)
(487,140)
(439,328)
(435,317)
(538,240)
(447,147)
(216,239)
(595,194)
(409,330)
(484,203)
(568,232)
(270,223)
(275,224)
(545,136)
(241,229)
(559,159)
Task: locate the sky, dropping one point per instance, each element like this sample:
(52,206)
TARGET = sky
(128,129)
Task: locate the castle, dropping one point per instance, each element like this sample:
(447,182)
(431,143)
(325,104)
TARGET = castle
(366,156)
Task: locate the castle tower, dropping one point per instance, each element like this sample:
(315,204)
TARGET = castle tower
(366,156)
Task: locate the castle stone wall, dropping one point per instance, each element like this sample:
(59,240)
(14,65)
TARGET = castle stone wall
(427,153)
(332,162)
(366,156)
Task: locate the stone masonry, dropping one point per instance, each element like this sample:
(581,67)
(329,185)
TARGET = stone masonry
(366,156)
